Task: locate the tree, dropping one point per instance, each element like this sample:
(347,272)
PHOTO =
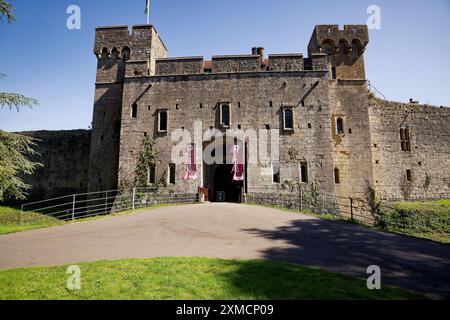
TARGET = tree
(15,149)
(6,10)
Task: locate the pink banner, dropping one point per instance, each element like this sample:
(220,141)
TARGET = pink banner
(190,172)
(238,163)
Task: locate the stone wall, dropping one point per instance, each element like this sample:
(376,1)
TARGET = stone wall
(428,159)
(256,101)
(65,156)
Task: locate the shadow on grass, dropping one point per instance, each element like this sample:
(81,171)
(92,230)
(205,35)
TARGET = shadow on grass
(414,264)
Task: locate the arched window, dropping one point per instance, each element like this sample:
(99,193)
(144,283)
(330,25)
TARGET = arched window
(114,53)
(328,47)
(337,178)
(343,47)
(339,126)
(126,54)
(356,48)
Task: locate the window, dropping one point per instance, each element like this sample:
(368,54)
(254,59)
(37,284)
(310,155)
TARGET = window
(126,54)
(408,175)
(225,115)
(151,175)
(405,139)
(134,111)
(340,126)
(288,119)
(276,172)
(337,178)
(163,119)
(172,173)
(333,73)
(304,172)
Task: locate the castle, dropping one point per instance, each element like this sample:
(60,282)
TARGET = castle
(331,131)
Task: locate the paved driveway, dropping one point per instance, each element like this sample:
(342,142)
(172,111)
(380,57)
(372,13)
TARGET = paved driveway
(234,231)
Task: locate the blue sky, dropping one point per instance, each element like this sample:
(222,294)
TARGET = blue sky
(407,58)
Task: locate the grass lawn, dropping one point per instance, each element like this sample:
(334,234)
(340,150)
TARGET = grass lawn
(189,278)
(10,220)
(422,219)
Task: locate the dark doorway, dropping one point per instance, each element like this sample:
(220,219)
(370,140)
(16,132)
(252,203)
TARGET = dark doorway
(225,189)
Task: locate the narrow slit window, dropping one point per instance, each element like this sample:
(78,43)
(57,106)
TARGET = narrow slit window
(288,119)
(333,73)
(409,175)
(337,178)
(134,111)
(172,173)
(163,119)
(304,172)
(151,174)
(276,172)
(340,126)
(225,115)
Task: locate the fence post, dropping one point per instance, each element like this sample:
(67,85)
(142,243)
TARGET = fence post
(134,198)
(351,208)
(73,207)
(301,200)
(106,203)
(21,216)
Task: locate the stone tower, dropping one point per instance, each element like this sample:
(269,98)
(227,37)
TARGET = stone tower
(352,153)
(121,51)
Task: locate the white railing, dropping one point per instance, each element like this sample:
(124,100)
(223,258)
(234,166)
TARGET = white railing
(86,205)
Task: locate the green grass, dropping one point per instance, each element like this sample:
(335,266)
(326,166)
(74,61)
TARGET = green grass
(422,219)
(189,278)
(10,220)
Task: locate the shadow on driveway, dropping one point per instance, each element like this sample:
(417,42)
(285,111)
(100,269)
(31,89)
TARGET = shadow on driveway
(414,264)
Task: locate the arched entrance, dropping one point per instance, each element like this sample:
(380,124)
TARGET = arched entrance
(226,190)
(218,177)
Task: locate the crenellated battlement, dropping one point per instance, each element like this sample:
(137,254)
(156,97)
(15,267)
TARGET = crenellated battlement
(345,49)
(330,39)
(241,63)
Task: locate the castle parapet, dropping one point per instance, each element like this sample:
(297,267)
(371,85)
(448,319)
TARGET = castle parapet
(286,62)
(234,64)
(179,66)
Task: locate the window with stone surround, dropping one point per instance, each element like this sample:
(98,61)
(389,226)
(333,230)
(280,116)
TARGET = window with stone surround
(225,115)
(288,119)
(134,111)
(340,126)
(405,139)
(276,178)
(409,175)
(151,174)
(163,121)
(304,172)
(337,177)
(172,173)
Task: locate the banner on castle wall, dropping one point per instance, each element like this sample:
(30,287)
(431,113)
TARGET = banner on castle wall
(238,163)
(190,163)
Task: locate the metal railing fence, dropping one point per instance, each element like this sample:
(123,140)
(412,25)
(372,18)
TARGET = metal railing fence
(86,205)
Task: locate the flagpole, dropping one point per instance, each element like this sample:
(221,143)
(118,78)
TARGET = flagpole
(147,10)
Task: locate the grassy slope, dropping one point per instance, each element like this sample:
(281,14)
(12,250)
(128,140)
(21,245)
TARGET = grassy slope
(436,230)
(189,278)
(10,218)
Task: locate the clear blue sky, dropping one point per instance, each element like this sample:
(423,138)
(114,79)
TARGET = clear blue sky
(408,57)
